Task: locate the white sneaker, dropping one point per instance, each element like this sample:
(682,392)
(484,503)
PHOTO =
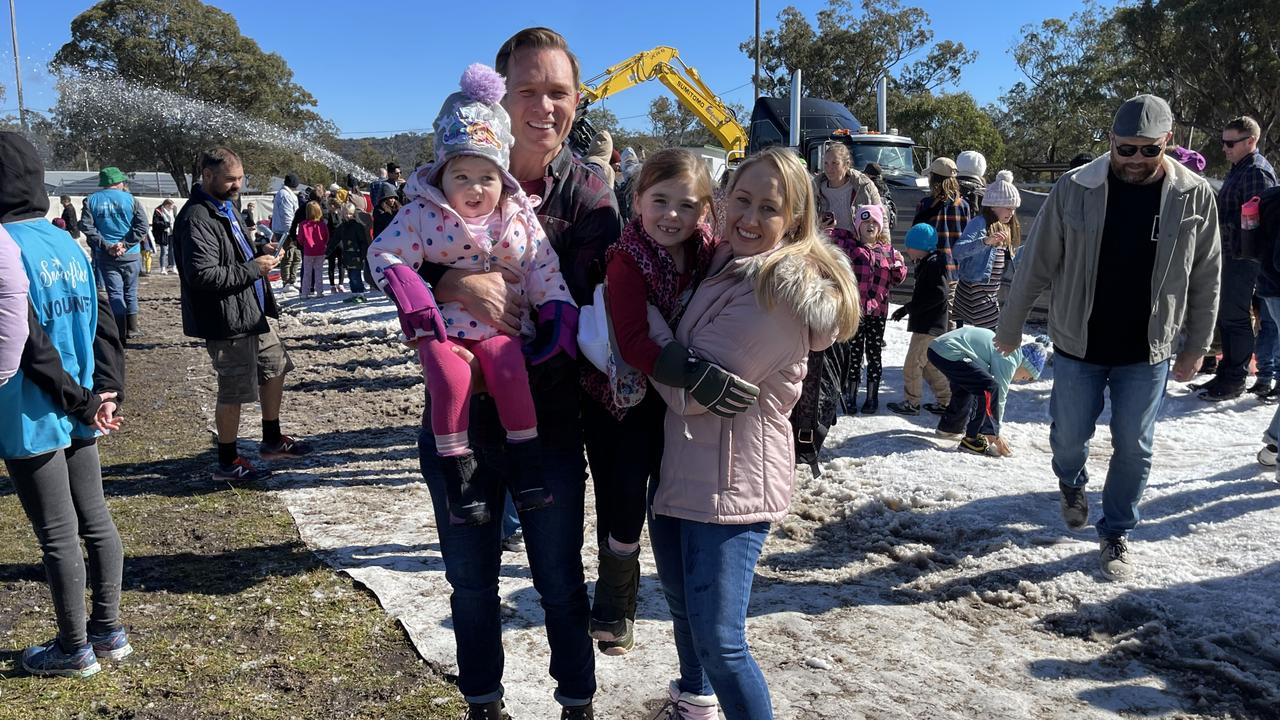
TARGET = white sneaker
(1267,455)
(1114,559)
(687,706)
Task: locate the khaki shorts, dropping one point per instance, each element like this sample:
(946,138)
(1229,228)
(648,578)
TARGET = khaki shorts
(244,363)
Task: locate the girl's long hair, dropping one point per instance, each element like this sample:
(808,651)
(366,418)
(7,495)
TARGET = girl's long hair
(804,242)
(944,189)
(1014,227)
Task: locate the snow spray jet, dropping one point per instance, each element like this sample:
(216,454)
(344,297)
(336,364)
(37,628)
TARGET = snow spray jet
(111,103)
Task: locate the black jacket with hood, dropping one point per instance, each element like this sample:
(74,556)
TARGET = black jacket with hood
(23,198)
(217,279)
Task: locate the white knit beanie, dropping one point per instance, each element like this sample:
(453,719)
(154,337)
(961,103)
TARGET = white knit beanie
(971,163)
(1002,193)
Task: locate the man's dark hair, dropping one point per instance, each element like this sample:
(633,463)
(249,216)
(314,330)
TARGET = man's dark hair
(535,38)
(217,157)
(392,167)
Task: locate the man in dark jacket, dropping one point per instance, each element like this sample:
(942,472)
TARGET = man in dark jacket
(226,301)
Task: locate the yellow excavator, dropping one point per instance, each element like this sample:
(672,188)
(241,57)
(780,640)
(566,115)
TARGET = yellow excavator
(663,64)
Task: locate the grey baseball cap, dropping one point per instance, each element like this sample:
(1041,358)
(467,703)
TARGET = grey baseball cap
(1146,116)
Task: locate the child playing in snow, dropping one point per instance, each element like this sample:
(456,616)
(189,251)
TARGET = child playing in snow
(984,253)
(928,311)
(879,269)
(979,376)
(313,238)
(466,211)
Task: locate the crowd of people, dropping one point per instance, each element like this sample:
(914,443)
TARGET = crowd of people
(688,348)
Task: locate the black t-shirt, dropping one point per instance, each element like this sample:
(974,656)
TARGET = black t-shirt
(1121,315)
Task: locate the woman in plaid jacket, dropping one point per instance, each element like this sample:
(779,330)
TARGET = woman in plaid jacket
(945,209)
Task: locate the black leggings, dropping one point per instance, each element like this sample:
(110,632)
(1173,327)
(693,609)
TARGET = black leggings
(869,341)
(61,492)
(624,456)
(335,262)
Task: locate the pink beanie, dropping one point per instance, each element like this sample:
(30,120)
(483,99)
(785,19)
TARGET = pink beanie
(868,212)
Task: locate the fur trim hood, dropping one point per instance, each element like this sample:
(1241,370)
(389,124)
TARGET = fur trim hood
(798,286)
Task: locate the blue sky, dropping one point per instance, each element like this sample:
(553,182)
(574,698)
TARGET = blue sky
(382,67)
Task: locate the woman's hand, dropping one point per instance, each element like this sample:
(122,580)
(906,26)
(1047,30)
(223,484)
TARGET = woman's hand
(998,239)
(105,419)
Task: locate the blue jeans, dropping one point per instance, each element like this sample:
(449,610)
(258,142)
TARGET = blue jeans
(121,277)
(165,261)
(1268,343)
(706,572)
(1136,394)
(510,518)
(472,559)
(1272,306)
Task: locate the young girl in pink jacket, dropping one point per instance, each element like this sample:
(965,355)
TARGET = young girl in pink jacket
(776,290)
(467,211)
(313,237)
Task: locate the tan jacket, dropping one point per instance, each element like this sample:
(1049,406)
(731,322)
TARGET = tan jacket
(741,470)
(1061,257)
(864,193)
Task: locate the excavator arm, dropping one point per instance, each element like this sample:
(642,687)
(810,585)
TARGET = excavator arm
(683,82)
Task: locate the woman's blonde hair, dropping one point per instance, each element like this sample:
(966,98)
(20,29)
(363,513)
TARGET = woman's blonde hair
(313,211)
(841,151)
(804,241)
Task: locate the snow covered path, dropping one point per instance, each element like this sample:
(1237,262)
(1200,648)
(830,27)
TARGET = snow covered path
(909,581)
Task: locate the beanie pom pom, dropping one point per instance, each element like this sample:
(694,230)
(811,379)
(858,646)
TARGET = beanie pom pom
(1005,175)
(482,83)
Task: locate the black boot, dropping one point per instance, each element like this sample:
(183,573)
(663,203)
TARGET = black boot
(527,477)
(132,322)
(468,502)
(486,711)
(851,399)
(613,610)
(872,403)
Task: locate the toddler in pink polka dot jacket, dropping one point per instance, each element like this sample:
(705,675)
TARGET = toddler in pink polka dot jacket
(466,211)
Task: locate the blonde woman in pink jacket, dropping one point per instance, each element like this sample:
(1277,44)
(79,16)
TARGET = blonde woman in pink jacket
(776,290)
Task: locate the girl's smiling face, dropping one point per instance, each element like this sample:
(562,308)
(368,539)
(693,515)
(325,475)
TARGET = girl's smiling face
(670,211)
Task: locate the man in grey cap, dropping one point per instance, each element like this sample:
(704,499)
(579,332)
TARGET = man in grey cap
(1127,247)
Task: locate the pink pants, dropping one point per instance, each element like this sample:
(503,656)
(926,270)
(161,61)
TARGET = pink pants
(449,383)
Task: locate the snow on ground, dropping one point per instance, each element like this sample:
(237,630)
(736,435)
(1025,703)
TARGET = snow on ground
(909,581)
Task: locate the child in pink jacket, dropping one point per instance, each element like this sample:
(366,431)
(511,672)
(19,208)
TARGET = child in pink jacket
(466,211)
(313,238)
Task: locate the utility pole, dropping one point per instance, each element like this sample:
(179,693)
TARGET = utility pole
(17,66)
(755,83)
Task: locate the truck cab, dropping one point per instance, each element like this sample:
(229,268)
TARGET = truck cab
(824,121)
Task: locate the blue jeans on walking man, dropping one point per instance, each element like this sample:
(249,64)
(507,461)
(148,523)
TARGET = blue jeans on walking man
(1136,392)
(706,572)
(1268,343)
(473,557)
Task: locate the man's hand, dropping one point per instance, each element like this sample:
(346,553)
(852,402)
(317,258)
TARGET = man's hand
(490,297)
(116,250)
(1004,347)
(271,248)
(106,420)
(899,313)
(477,375)
(266,262)
(1187,365)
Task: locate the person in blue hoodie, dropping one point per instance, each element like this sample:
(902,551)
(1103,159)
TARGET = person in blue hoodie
(979,376)
(115,224)
(65,394)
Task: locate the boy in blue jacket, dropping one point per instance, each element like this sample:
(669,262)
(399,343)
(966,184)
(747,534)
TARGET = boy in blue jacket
(980,375)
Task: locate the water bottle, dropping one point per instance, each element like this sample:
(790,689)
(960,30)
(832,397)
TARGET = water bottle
(1250,218)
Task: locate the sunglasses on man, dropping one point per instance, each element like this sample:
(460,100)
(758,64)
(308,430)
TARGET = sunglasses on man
(1148,151)
(1228,144)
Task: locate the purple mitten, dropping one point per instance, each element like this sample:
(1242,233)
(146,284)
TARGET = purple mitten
(557,332)
(419,315)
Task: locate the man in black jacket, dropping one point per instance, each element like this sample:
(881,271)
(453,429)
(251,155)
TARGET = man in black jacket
(226,301)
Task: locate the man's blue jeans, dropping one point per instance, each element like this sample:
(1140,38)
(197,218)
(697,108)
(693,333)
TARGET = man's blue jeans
(1268,343)
(473,557)
(121,278)
(706,572)
(1136,394)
